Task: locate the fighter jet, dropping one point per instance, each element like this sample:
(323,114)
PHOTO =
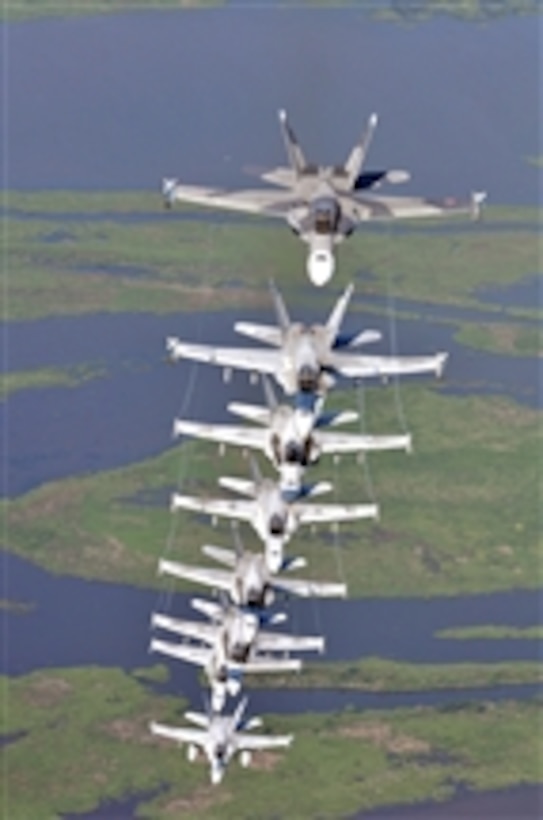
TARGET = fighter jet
(307,358)
(248,580)
(221,737)
(291,436)
(274,513)
(323,204)
(235,644)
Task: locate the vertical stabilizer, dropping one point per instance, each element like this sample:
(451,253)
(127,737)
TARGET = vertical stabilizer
(238,543)
(337,315)
(357,157)
(294,152)
(238,714)
(269,392)
(281,311)
(255,471)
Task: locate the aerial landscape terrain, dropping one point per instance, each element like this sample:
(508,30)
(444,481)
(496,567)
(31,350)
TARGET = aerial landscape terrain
(429,692)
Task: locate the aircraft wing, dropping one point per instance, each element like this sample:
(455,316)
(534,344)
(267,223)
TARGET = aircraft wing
(241,436)
(310,589)
(245,740)
(322,513)
(272,642)
(235,508)
(367,366)
(197,630)
(355,443)
(198,655)
(245,358)
(258,201)
(365,207)
(197,736)
(209,576)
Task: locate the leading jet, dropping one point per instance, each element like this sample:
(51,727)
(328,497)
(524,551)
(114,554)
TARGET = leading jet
(323,204)
(274,513)
(221,737)
(234,645)
(291,435)
(307,358)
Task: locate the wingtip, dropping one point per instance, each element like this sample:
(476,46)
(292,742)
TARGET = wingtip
(478,199)
(282,114)
(374,119)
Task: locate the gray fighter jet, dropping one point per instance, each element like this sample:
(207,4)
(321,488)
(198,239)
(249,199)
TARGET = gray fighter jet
(248,580)
(307,358)
(220,738)
(323,204)
(274,513)
(291,436)
(234,645)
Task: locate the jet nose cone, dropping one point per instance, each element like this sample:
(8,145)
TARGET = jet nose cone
(320,267)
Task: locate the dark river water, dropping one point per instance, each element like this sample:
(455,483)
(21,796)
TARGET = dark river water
(121,101)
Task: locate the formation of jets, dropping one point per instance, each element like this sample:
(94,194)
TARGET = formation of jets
(236,635)
(323,204)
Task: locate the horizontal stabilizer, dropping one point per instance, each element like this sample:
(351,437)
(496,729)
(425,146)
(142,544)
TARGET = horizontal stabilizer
(310,589)
(372,179)
(198,718)
(210,609)
(263,665)
(263,333)
(251,412)
(223,556)
(272,642)
(357,339)
(337,419)
(243,486)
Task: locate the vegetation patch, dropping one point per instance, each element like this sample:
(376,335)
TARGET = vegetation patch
(193,261)
(381,675)
(67,755)
(492,632)
(46,377)
(500,337)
